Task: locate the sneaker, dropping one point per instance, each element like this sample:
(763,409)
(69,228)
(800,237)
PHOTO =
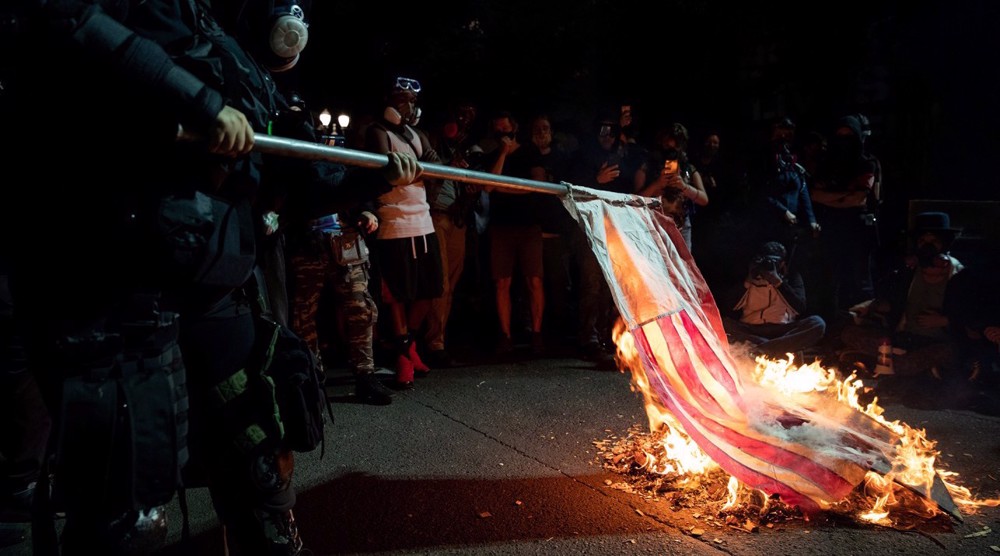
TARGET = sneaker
(369,389)
(282,533)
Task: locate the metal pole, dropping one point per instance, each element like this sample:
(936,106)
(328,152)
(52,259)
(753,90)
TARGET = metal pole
(284,146)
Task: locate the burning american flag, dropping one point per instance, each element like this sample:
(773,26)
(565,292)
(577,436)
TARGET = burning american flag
(810,449)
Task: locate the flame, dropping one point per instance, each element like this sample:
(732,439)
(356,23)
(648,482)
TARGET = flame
(880,495)
(677,453)
(733,490)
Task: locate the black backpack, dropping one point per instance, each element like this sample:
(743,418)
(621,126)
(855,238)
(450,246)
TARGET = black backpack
(291,373)
(290,369)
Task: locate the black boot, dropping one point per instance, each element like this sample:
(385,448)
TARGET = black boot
(369,389)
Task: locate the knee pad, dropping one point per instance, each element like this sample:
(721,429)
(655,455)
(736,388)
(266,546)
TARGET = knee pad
(271,475)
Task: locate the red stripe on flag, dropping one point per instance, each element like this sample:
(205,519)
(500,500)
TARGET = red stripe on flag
(715,365)
(690,400)
(744,473)
(693,386)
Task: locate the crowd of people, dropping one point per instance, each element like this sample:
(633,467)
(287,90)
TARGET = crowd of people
(787,236)
(174,249)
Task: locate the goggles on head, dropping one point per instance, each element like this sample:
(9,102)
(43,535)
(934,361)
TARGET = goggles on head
(606,130)
(407,84)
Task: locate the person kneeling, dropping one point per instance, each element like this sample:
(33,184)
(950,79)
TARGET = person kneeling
(769,313)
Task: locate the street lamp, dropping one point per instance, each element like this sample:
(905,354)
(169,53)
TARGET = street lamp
(343,120)
(324,119)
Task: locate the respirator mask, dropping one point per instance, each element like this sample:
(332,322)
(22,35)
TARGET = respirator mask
(275,31)
(393,116)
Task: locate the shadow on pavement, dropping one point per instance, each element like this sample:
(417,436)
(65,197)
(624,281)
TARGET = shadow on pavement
(360,513)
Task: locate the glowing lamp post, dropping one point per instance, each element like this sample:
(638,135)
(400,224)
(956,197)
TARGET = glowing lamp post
(325,118)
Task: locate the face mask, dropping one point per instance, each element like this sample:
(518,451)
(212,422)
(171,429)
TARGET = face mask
(926,254)
(844,147)
(783,155)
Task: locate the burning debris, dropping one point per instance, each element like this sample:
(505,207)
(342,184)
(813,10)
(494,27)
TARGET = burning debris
(717,499)
(706,494)
(667,465)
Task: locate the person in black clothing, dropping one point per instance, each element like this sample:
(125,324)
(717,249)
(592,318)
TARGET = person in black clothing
(846,194)
(559,230)
(73,297)
(769,313)
(136,281)
(780,205)
(605,162)
(515,235)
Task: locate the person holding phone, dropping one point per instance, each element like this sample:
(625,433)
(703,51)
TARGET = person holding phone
(678,185)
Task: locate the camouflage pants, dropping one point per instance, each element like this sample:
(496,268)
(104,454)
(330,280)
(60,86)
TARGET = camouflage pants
(356,310)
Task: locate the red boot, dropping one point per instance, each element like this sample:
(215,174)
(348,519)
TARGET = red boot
(404,372)
(418,365)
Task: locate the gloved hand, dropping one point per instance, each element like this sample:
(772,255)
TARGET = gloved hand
(231,134)
(402,169)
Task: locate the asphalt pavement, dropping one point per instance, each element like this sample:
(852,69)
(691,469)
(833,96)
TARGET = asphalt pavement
(499,458)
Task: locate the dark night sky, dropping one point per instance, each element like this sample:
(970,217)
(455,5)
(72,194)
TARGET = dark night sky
(924,72)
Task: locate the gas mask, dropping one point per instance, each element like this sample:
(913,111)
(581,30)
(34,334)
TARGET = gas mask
(275,31)
(393,116)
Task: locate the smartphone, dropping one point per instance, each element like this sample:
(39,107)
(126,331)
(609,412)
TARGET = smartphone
(670,167)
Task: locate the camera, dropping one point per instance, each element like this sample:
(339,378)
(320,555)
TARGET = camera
(763,264)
